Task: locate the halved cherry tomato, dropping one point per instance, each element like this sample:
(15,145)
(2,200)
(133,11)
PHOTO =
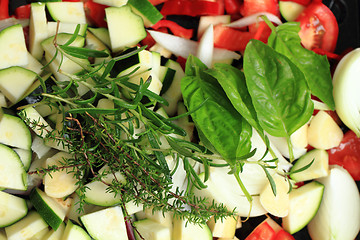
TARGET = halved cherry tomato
(347,154)
(319,28)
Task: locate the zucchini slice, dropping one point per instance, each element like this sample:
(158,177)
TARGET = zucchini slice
(12,209)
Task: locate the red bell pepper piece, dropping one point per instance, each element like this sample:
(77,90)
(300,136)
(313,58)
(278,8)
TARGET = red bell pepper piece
(156,2)
(190,8)
(232,6)
(250,7)
(4,9)
(95,13)
(230,38)
(175,28)
(23,12)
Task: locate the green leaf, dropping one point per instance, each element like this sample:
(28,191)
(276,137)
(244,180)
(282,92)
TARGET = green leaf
(278,88)
(217,119)
(316,69)
(83,53)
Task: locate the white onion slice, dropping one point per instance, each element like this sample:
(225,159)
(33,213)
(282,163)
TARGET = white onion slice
(346,90)
(205,48)
(254,18)
(184,47)
(5,23)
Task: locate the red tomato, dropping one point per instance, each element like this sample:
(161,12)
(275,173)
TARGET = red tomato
(95,13)
(262,232)
(347,154)
(283,235)
(319,28)
(23,12)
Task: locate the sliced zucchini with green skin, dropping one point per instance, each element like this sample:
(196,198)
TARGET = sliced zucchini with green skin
(25,157)
(38,30)
(74,232)
(102,34)
(13,50)
(14,81)
(106,224)
(126,28)
(14,132)
(151,230)
(304,204)
(27,227)
(318,168)
(290,10)
(12,171)
(12,209)
(146,10)
(65,28)
(55,235)
(50,210)
(67,12)
(61,183)
(97,194)
(184,230)
(36,122)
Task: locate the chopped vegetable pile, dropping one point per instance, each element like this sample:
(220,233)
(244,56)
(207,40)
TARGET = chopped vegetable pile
(177,119)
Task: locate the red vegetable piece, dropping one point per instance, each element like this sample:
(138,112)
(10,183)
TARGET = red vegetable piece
(175,28)
(283,235)
(262,232)
(4,9)
(23,12)
(232,6)
(156,2)
(319,28)
(230,38)
(95,13)
(347,154)
(250,7)
(190,8)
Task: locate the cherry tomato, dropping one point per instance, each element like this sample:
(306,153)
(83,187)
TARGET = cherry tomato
(262,232)
(319,28)
(283,235)
(347,154)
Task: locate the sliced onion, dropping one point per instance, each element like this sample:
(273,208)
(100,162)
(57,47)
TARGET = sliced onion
(184,47)
(254,18)
(346,90)
(5,23)
(338,217)
(205,48)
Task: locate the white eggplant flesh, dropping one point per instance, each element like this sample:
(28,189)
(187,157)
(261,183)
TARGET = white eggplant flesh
(338,217)
(346,90)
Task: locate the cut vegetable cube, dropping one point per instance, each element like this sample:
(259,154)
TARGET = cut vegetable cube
(14,132)
(38,29)
(304,203)
(49,209)
(112,3)
(61,183)
(146,10)
(97,194)
(12,171)
(184,230)
(67,12)
(152,230)
(74,232)
(106,224)
(126,28)
(223,228)
(36,122)
(12,209)
(27,227)
(13,50)
(25,157)
(14,81)
(65,28)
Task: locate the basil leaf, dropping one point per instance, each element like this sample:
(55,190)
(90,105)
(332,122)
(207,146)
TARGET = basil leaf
(232,80)
(217,119)
(285,40)
(278,89)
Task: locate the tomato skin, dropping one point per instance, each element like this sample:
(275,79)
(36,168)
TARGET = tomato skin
(262,232)
(230,38)
(250,7)
(347,154)
(319,28)
(95,13)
